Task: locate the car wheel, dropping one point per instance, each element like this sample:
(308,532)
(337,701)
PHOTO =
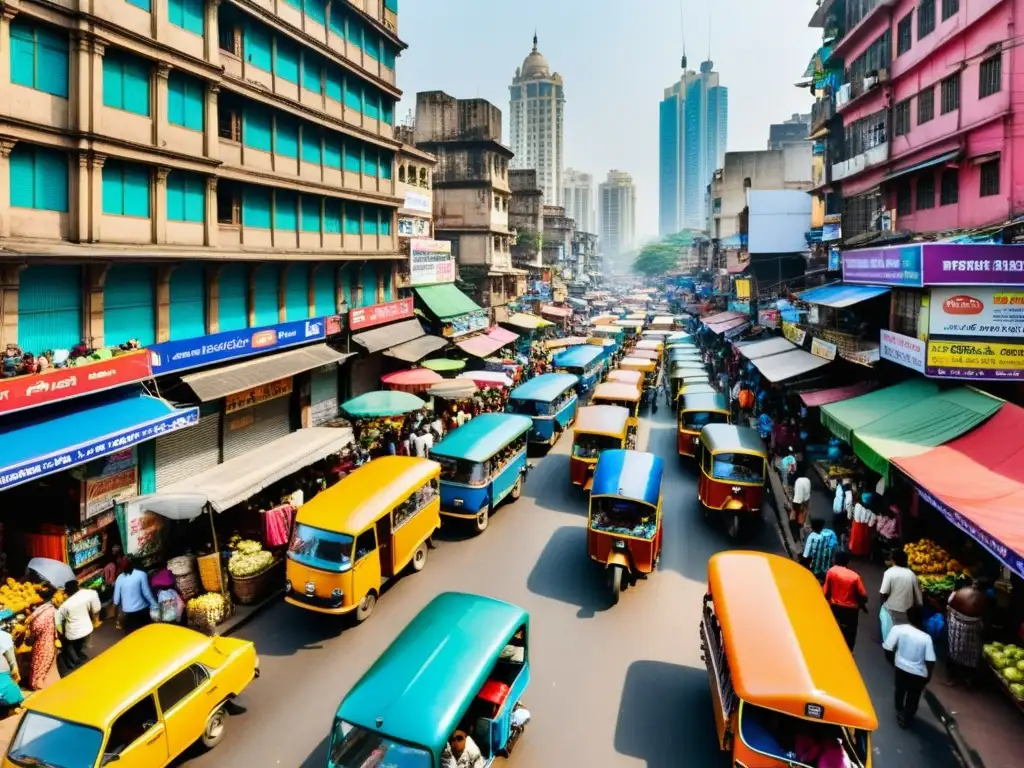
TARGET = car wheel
(482,520)
(734,526)
(419,558)
(365,608)
(517,489)
(216,724)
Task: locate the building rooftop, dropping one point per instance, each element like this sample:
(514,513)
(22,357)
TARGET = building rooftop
(535,65)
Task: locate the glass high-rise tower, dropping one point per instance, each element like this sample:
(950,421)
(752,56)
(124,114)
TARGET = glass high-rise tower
(537,121)
(693,133)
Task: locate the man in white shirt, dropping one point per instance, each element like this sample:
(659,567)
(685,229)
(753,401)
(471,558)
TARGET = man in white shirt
(75,620)
(911,651)
(801,499)
(422,443)
(900,589)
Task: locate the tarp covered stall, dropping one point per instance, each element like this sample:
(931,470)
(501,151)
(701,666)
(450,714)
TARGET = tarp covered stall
(841,295)
(552,311)
(389,336)
(415,350)
(757,349)
(528,322)
(221,382)
(488,343)
(820,397)
(788,365)
(446,301)
(843,418)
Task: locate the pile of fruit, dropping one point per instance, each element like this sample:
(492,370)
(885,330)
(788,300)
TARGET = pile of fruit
(927,557)
(18,597)
(937,586)
(249,559)
(207,610)
(1008,662)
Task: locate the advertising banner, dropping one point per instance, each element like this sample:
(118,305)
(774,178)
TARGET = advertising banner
(417,201)
(113,478)
(976,312)
(378,314)
(823,349)
(265,392)
(975,360)
(56,384)
(899,266)
(172,356)
(430,262)
(470,322)
(794,334)
(769,318)
(902,350)
(936,264)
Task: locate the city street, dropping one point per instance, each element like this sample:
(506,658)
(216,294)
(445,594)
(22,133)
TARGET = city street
(610,687)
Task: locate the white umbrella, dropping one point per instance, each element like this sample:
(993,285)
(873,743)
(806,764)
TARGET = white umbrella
(53,571)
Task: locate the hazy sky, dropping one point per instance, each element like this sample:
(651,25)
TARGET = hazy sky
(616,57)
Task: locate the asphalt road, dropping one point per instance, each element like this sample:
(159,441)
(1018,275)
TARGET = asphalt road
(622,686)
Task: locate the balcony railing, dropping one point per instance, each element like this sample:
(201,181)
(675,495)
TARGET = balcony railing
(822,111)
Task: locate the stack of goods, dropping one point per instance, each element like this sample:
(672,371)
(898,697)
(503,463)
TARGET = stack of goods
(927,558)
(207,611)
(250,567)
(1007,661)
(185,577)
(19,597)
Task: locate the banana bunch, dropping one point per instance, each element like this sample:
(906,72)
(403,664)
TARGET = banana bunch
(18,597)
(209,609)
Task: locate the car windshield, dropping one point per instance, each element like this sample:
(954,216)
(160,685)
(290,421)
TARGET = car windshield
(739,467)
(697,419)
(590,446)
(355,747)
(47,741)
(321,549)
(623,517)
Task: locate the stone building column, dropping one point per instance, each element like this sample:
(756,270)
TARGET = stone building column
(6,145)
(211,138)
(159,213)
(81,81)
(163,302)
(95,97)
(160,123)
(96,197)
(212,36)
(10,275)
(81,200)
(97,278)
(211,229)
(212,273)
(6,14)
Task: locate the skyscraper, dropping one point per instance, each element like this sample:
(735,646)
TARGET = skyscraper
(537,118)
(693,133)
(617,196)
(578,199)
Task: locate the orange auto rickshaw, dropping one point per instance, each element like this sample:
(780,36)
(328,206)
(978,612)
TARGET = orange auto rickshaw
(598,428)
(733,463)
(695,413)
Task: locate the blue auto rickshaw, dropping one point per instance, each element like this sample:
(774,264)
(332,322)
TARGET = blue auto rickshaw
(462,664)
(586,362)
(482,462)
(550,400)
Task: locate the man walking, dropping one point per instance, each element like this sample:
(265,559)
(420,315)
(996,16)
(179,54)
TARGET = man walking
(965,613)
(900,592)
(75,619)
(801,500)
(911,651)
(818,549)
(845,592)
(133,597)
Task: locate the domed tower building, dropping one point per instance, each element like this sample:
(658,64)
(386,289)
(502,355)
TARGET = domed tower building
(537,118)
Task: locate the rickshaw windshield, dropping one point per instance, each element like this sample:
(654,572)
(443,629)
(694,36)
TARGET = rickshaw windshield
(695,420)
(784,737)
(321,549)
(461,471)
(527,407)
(45,740)
(590,446)
(355,747)
(623,517)
(738,467)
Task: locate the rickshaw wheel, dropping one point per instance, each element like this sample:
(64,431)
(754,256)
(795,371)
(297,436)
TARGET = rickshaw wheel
(734,525)
(482,520)
(419,558)
(216,724)
(615,578)
(517,489)
(365,608)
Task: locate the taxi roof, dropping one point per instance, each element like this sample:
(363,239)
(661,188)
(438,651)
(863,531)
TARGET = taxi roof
(704,402)
(360,498)
(729,437)
(98,692)
(601,419)
(785,649)
(614,390)
(626,377)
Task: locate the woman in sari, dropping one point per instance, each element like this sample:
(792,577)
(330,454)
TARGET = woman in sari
(860,532)
(42,626)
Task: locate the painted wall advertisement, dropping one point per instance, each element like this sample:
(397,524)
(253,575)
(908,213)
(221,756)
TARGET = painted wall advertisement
(409,226)
(417,201)
(936,264)
(976,312)
(264,393)
(975,360)
(378,314)
(431,261)
(823,349)
(115,479)
(902,350)
(793,333)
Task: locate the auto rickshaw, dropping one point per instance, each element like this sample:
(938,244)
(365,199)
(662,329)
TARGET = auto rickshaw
(585,362)
(695,413)
(681,377)
(598,428)
(733,462)
(463,663)
(357,535)
(550,400)
(624,526)
(697,389)
(778,664)
(636,378)
(627,396)
(649,368)
(651,344)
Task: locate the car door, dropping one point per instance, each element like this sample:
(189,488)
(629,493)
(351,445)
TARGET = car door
(186,701)
(138,738)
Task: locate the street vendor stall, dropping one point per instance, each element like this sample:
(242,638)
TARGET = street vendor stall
(412,380)
(487,379)
(444,366)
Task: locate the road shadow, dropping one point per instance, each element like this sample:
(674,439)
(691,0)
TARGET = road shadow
(318,757)
(563,572)
(550,487)
(286,630)
(665,717)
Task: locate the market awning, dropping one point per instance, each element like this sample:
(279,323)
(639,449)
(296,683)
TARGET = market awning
(415,350)
(78,432)
(729,327)
(389,336)
(242,477)
(480,346)
(920,427)
(820,397)
(843,418)
(773,346)
(929,163)
(500,334)
(221,382)
(553,311)
(788,365)
(445,300)
(528,322)
(443,364)
(841,295)
(977,483)
(722,317)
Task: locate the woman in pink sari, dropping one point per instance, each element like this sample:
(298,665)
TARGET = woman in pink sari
(42,626)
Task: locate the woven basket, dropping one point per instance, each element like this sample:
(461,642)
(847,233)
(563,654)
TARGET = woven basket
(182,566)
(188,585)
(205,626)
(211,573)
(252,589)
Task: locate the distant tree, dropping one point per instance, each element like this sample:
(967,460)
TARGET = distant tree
(664,255)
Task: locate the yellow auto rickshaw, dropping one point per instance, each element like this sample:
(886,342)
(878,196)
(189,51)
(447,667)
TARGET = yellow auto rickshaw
(649,368)
(353,537)
(636,378)
(598,428)
(624,395)
(778,665)
(695,413)
(733,465)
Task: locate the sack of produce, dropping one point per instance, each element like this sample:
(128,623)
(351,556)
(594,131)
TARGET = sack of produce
(207,611)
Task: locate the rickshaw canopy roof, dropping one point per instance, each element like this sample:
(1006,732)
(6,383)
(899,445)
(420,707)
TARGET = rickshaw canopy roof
(697,389)
(382,403)
(663,320)
(641,363)
(614,390)
(568,341)
(729,437)
(545,388)
(424,682)
(609,329)
(602,420)
(784,648)
(655,335)
(705,402)
(360,498)
(626,377)
(657,346)
(632,475)
(681,366)
(636,324)
(678,336)
(482,436)
(578,357)
(646,354)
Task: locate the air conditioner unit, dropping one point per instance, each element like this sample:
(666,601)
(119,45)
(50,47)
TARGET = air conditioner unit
(870,82)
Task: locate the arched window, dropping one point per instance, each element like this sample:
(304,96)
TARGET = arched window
(423,177)
(401,173)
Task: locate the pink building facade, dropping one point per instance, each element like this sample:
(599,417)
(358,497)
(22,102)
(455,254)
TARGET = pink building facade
(926,106)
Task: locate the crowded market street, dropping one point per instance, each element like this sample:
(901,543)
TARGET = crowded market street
(622,686)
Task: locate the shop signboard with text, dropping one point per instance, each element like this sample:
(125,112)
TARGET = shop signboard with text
(899,265)
(824,349)
(57,384)
(431,262)
(976,312)
(794,333)
(239,401)
(114,478)
(378,314)
(975,359)
(923,264)
(902,350)
(471,322)
(173,356)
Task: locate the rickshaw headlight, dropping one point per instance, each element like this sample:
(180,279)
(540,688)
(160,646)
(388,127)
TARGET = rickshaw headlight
(287,585)
(458,502)
(619,544)
(310,588)
(735,489)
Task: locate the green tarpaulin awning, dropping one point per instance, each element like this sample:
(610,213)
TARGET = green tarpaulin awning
(918,428)
(842,418)
(445,300)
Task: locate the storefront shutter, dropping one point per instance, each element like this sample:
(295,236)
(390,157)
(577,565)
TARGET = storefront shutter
(233,302)
(50,308)
(188,302)
(251,428)
(265,299)
(187,452)
(129,305)
(296,294)
(324,394)
(324,292)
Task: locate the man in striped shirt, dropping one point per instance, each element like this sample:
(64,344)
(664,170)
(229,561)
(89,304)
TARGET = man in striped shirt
(819,548)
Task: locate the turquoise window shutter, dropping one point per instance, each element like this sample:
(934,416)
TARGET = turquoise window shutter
(369,282)
(113,82)
(129,305)
(136,87)
(23,53)
(143,4)
(336,22)
(256,128)
(266,297)
(186,98)
(332,216)
(136,191)
(296,4)
(386,161)
(312,71)
(23,176)
(49,307)
(324,299)
(345,281)
(385,274)
(371,103)
(334,82)
(286,65)
(188,301)
(390,56)
(372,45)
(385,221)
(256,207)
(332,150)
(387,110)
(257,45)
(369,220)
(311,213)
(113,188)
(353,94)
(316,10)
(186,197)
(296,292)
(38,178)
(286,136)
(311,144)
(190,15)
(351,218)
(391,5)
(353,156)
(176,196)
(233,301)
(354,30)
(285,211)
(370,163)
(39,58)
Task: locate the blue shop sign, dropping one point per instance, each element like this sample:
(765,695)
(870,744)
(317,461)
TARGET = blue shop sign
(173,356)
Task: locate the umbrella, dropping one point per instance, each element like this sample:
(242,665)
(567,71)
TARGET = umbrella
(411,380)
(443,364)
(377,404)
(486,379)
(53,571)
(456,389)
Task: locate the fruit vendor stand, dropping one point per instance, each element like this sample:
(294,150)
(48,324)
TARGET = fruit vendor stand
(412,380)
(375,414)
